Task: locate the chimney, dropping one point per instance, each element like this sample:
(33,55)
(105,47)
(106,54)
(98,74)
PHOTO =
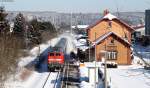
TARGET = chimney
(105,12)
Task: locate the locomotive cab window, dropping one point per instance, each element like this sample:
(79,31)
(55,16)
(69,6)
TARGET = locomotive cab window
(58,54)
(51,54)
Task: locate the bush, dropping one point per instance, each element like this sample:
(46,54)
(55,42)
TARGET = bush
(9,52)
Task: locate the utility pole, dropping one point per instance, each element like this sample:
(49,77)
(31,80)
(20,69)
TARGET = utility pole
(71,22)
(105,70)
(95,62)
(105,67)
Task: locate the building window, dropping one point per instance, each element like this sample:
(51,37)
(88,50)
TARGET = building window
(111,55)
(112,41)
(125,36)
(109,24)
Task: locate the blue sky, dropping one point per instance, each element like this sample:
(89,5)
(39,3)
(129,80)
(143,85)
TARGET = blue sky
(83,6)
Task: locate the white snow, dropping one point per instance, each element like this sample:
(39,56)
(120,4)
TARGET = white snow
(109,16)
(125,76)
(34,52)
(143,51)
(133,76)
(80,26)
(84,76)
(36,79)
(78,36)
(51,80)
(80,43)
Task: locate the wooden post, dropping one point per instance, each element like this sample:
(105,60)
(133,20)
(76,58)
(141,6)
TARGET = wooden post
(105,70)
(89,50)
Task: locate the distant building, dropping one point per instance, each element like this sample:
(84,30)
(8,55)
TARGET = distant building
(147,22)
(80,28)
(112,35)
(139,31)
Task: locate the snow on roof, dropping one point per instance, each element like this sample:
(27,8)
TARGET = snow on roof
(140,29)
(109,16)
(83,48)
(80,26)
(139,26)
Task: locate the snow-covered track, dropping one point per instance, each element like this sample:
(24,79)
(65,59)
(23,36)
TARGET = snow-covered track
(51,80)
(46,80)
(70,76)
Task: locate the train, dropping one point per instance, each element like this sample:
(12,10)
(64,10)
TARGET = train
(56,55)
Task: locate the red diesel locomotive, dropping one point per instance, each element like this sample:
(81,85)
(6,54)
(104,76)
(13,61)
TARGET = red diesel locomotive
(56,55)
(55,60)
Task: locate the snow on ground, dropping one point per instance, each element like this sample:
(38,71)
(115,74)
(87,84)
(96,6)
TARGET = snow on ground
(31,83)
(34,52)
(133,76)
(37,78)
(143,51)
(84,76)
(51,80)
(125,76)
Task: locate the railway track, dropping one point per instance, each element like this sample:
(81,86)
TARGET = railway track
(70,77)
(52,80)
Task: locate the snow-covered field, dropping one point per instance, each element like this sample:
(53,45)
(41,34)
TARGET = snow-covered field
(144,52)
(133,76)
(125,76)
(36,79)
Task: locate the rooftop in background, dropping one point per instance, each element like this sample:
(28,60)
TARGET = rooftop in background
(80,26)
(139,26)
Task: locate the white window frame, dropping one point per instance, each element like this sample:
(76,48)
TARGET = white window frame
(111,55)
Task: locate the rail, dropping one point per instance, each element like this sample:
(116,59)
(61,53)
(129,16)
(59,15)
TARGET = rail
(51,80)
(55,84)
(46,80)
(63,76)
(70,77)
